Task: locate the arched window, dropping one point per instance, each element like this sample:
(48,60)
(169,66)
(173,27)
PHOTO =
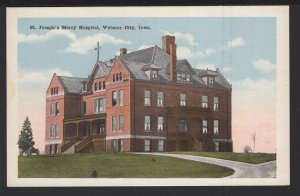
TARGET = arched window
(121,76)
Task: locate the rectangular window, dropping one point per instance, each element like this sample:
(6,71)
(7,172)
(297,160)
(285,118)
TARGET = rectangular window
(51,131)
(160,146)
(114,98)
(147,123)
(210,80)
(160,123)
(113,123)
(147,145)
(96,86)
(183,77)
(160,98)
(51,109)
(120,145)
(217,146)
(121,123)
(182,125)
(204,126)
(100,128)
(84,87)
(99,86)
(179,77)
(147,97)
(113,145)
(155,74)
(56,108)
(56,130)
(216,126)
(182,99)
(216,103)
(103,85)
(121,97)
(204,101)
(99,105)
(83,108)
(188,77)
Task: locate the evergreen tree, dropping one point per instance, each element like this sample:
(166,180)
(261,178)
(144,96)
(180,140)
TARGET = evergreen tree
(26,138)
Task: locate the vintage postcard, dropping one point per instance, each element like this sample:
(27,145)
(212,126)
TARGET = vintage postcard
(148,96)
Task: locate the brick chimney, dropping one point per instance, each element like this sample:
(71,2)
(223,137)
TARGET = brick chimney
(123,51)
(173,60)
(167,40)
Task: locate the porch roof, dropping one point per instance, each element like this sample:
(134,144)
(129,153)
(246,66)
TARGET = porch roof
(90,117)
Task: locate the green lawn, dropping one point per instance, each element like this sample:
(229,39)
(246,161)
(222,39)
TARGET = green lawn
(254,158)
(115,165)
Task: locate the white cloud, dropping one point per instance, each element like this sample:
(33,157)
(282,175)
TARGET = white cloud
(182,36)
(144,47)
(263,65)
(206,66)
(81,46)
(39,38)
(240,41)
(185,52)
(41,77)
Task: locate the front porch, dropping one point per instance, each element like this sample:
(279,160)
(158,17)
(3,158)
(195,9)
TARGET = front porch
(85,133)
(185,128)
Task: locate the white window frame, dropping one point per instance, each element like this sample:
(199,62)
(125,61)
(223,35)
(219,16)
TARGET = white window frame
(217,146)
(147,99)
(160,125)
(121,97)
(160,100)
(160,145)
(147,145)
(204,126)
(147,123)
(97,105)
(216,103)
(216,127)
(183,101)
(114,98)
(155,74)
(113,125)
(121,124)
(204,104)
(51,131)
(56,130)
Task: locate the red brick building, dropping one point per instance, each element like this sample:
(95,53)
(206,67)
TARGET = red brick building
(146,100)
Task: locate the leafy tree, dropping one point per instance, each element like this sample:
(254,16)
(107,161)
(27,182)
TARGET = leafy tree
(26,138)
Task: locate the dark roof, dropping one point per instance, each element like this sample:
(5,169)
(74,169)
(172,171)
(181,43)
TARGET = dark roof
(138,61)
(150,58)
(100,69)
(71,84)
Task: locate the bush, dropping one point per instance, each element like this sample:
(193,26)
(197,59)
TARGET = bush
(247,149)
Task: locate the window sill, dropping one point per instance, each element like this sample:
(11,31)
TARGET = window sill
(147,105)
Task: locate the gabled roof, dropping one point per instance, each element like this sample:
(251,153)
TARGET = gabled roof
(100,69)
(71,84)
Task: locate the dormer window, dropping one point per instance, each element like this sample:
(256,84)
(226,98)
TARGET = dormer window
(182,77)
(210,80)
(155,74)
(84,87)
(188,78)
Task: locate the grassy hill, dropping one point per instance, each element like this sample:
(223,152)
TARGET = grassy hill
(115,165)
